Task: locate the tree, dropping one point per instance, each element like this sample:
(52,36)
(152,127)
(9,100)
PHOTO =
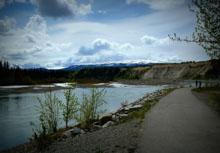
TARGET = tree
(90,106)
(49,118)
(207,31)
(70,107)
(49,111)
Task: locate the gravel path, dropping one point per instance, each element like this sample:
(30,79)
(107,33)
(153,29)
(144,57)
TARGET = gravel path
(180,123)
(122,138)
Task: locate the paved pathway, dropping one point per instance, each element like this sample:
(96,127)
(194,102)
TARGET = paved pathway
(180,123)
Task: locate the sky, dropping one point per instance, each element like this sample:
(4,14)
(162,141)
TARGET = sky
(59,33)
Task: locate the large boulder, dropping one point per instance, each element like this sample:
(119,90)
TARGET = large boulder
(107,124)
(67,134)
(123,116)
(115,118)
(76,131)
(131,108)
(105,118)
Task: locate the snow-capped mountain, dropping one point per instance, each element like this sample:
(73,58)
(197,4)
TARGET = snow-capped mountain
(126,63)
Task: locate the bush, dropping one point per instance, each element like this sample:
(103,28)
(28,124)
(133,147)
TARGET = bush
(70,107)
(48,117)
(89,108)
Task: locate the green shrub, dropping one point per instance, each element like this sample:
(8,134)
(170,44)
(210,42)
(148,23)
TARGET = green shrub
(48,116)
(70,107)
(90,107)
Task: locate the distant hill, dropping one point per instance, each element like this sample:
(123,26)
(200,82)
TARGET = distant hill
(183,71)
(113,64)
(160,71)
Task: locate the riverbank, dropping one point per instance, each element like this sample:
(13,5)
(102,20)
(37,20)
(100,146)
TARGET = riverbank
(121,136)
(15,89)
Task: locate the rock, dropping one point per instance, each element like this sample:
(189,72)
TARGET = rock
(107,124)
(67,134)
(115,118)
(105,118)
(130,108)
(76,131)
(122,116)
(96,126)
(73,132)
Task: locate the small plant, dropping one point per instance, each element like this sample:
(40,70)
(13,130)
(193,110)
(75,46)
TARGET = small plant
(40,134)
(49,111)
(90,106)
(48,117)
(124,103)
(70,107)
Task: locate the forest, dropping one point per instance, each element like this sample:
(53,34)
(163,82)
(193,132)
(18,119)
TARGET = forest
(14,75)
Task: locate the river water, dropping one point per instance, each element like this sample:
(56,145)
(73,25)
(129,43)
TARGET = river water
(17,110)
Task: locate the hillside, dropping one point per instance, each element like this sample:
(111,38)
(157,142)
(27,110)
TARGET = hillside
(167,71)
(192,70)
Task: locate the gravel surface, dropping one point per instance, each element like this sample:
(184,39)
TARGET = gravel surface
(121,138)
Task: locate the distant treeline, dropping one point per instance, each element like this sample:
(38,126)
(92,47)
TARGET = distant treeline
(105,74)
(16,76)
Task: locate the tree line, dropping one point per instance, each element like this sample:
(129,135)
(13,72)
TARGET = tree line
(14,75)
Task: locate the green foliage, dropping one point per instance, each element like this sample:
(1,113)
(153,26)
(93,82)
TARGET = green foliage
(48,116)
(214,72)
(11,75)
(40,134)
(206,32)
(70,107)
(49,111)
(96,74)
(90,106)
(105,74)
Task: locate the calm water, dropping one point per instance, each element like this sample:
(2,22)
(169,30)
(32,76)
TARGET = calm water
(17,110)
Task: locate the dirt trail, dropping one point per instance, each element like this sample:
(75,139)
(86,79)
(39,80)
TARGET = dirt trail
(180,123)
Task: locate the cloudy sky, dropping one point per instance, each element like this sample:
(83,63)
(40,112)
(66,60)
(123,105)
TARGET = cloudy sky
(59,33)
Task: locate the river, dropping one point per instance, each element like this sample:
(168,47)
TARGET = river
(17,110)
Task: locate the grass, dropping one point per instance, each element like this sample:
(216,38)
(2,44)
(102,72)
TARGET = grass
(212,96)
(213,92)
(208,90)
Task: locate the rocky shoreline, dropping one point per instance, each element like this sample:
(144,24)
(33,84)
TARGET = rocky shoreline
(112,118)
(105,134)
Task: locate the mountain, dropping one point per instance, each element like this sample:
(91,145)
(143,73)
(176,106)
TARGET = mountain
(127,63)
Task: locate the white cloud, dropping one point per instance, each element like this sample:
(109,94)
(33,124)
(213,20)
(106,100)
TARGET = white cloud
(159,4)
(102,45)
(102,11)
(31,44)
(150,40)
(84,9)
(126,46)
(6,25)
(36,24)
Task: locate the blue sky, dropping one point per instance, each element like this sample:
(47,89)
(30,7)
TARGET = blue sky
(59,33)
